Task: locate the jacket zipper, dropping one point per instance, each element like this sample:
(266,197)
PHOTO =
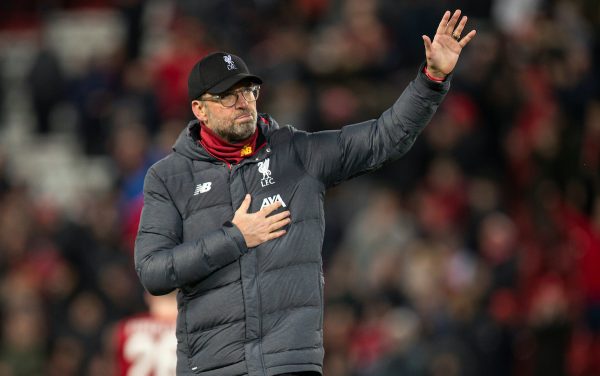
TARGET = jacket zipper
(237,168)
(262,359)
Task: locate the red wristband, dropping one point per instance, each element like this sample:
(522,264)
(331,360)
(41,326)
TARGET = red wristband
(431,77)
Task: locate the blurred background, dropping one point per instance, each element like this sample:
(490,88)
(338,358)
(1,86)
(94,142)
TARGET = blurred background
(478,253)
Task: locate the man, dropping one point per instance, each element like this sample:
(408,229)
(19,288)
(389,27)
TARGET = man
(145,345)
(233,218)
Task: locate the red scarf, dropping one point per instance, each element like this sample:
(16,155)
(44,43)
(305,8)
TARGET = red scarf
(223,150)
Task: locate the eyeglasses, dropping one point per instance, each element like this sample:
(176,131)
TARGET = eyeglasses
(229,99)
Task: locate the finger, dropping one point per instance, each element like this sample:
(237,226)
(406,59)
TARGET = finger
(279,224)
(270,208)
(452,22)
(463,42)
(460,27)
(443,23)
(279,216)
(276,234)
(245,204)
(427,43)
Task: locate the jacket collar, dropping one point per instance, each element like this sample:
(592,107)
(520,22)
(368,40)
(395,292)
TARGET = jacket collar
(188,144)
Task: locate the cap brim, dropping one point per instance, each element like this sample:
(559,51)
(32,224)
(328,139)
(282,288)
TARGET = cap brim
(227,83)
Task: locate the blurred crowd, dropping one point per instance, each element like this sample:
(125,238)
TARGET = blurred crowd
(478,253)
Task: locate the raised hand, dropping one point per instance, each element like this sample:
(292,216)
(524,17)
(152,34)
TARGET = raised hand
(442,53)
(260,227)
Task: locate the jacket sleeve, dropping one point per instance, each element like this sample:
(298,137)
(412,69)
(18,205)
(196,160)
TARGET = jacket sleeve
(335,156)
(162,261)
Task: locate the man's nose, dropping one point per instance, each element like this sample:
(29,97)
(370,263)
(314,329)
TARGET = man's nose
(241,101)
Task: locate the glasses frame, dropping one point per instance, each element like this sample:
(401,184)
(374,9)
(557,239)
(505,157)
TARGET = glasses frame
(246,90)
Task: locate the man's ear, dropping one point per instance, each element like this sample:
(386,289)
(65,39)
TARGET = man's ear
(199,110)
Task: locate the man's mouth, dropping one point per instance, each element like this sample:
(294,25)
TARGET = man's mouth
(244,117)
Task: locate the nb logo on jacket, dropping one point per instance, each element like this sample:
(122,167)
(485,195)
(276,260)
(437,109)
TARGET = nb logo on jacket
(202,188)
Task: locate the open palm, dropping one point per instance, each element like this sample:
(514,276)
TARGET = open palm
(442,53)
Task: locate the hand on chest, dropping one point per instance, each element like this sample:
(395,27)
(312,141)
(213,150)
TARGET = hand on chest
(217,190)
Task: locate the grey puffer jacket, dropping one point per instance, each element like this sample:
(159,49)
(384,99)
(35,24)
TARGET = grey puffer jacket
(258,311)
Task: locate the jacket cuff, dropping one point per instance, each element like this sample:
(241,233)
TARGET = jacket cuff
(234,232)
(431,84)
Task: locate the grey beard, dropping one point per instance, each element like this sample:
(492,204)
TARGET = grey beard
(238,133)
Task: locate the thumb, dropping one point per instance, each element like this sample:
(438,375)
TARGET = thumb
(245,204)
(427,43)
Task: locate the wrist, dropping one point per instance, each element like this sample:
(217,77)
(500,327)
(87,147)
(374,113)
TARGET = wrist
(238,236)
(434,75)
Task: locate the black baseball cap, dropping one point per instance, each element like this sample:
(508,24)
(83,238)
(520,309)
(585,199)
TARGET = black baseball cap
(217,72)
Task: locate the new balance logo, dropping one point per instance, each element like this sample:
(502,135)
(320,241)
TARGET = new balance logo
(269,200)
(202,188)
